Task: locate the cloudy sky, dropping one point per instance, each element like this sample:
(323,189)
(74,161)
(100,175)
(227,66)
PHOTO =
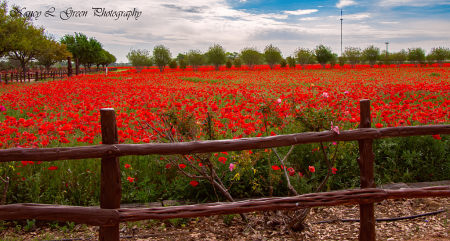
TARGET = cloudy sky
(196,24)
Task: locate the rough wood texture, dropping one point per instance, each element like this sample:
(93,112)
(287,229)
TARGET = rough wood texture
(100,151)
(335,198)
(111,186)
(102,217)
(92,216)
(365,161)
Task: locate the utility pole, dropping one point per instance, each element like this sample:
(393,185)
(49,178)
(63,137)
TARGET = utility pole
(341,31)
(387,49)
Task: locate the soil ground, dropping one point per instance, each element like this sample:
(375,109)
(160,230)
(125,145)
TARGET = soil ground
(432,227)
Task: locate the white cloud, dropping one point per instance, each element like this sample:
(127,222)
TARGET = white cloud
(345,3)
(389,22)
(356,16)
(309,18)
(301,12)
(414,3)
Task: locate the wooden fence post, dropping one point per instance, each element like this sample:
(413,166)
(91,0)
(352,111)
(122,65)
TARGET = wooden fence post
(111,186)
(365,161)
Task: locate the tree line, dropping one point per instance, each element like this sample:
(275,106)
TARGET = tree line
(27,44)
(271,55)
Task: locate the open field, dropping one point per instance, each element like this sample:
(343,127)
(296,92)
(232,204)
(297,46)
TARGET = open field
(242,104)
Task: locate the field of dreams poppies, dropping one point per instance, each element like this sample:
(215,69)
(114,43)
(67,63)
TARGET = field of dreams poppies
(65,113)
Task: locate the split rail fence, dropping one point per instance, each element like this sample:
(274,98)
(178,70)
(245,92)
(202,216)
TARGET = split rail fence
(38,75)
(110,214)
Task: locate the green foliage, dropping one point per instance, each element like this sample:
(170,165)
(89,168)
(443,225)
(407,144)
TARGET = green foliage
(173,64)
(180,56)
(228,218)
(161,56)
(290,61)
(237,63)
(283,63)
(371,54)
(416,56)
(439,54)
(105,59)
(139,58)
(341,60)
(53,52)
(323,54)
(251,56)
(182,63)
(304,57)
(216,56)
(399,58)
(333,60)
(232,56)
(229,64)
(195,58)
(86,50)
(272,55)
(30,226)
(353,55)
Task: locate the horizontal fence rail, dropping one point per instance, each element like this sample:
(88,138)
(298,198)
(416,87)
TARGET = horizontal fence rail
(105,217)
(110,214)
(102,151)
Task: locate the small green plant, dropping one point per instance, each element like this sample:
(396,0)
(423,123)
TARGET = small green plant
(435,74)
(283,63)
(54,225)
(173,64)
(228,218)
(30,225)
(71,225)
(229,64)
(17,227)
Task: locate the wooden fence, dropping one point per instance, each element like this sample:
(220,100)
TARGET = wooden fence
(43,75)
(110,214)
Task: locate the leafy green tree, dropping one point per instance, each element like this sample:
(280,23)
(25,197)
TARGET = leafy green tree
(86,50)
(161,56)
(283,63)
(231,56)
(216,56)
(439,55)
(30,43)
(173,64)
(109,60)
(323,54)
(386,58)
(334,60)
(304,56)
(371,54)
(53,52)
(251,57)
(12,27)
(341,60)
(139,58)
(195,58)
(353,55)
(416,55)
(400,57)
(272,55)
(180,56)
(229,64)
(290,61)
(182,63)
(237,62)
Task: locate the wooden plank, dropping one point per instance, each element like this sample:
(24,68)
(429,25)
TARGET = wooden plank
(334,198)
(101,151)
(92,216)
(111,186)
(365,161)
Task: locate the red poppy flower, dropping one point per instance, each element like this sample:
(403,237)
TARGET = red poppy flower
(168,166)
(379,125)
(127,166)
(312,169)
(275,167)
(130,179)
(334,170)
(222,159)
(194,183)
(182,166)
(52,168)
(437,137)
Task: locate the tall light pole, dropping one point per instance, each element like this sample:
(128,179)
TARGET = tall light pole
(387,49)
(341,31)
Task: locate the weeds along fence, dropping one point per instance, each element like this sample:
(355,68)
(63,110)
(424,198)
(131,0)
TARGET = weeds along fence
(43,75)
(110,214)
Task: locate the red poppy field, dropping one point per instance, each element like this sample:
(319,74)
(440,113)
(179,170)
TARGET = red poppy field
(66,113)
